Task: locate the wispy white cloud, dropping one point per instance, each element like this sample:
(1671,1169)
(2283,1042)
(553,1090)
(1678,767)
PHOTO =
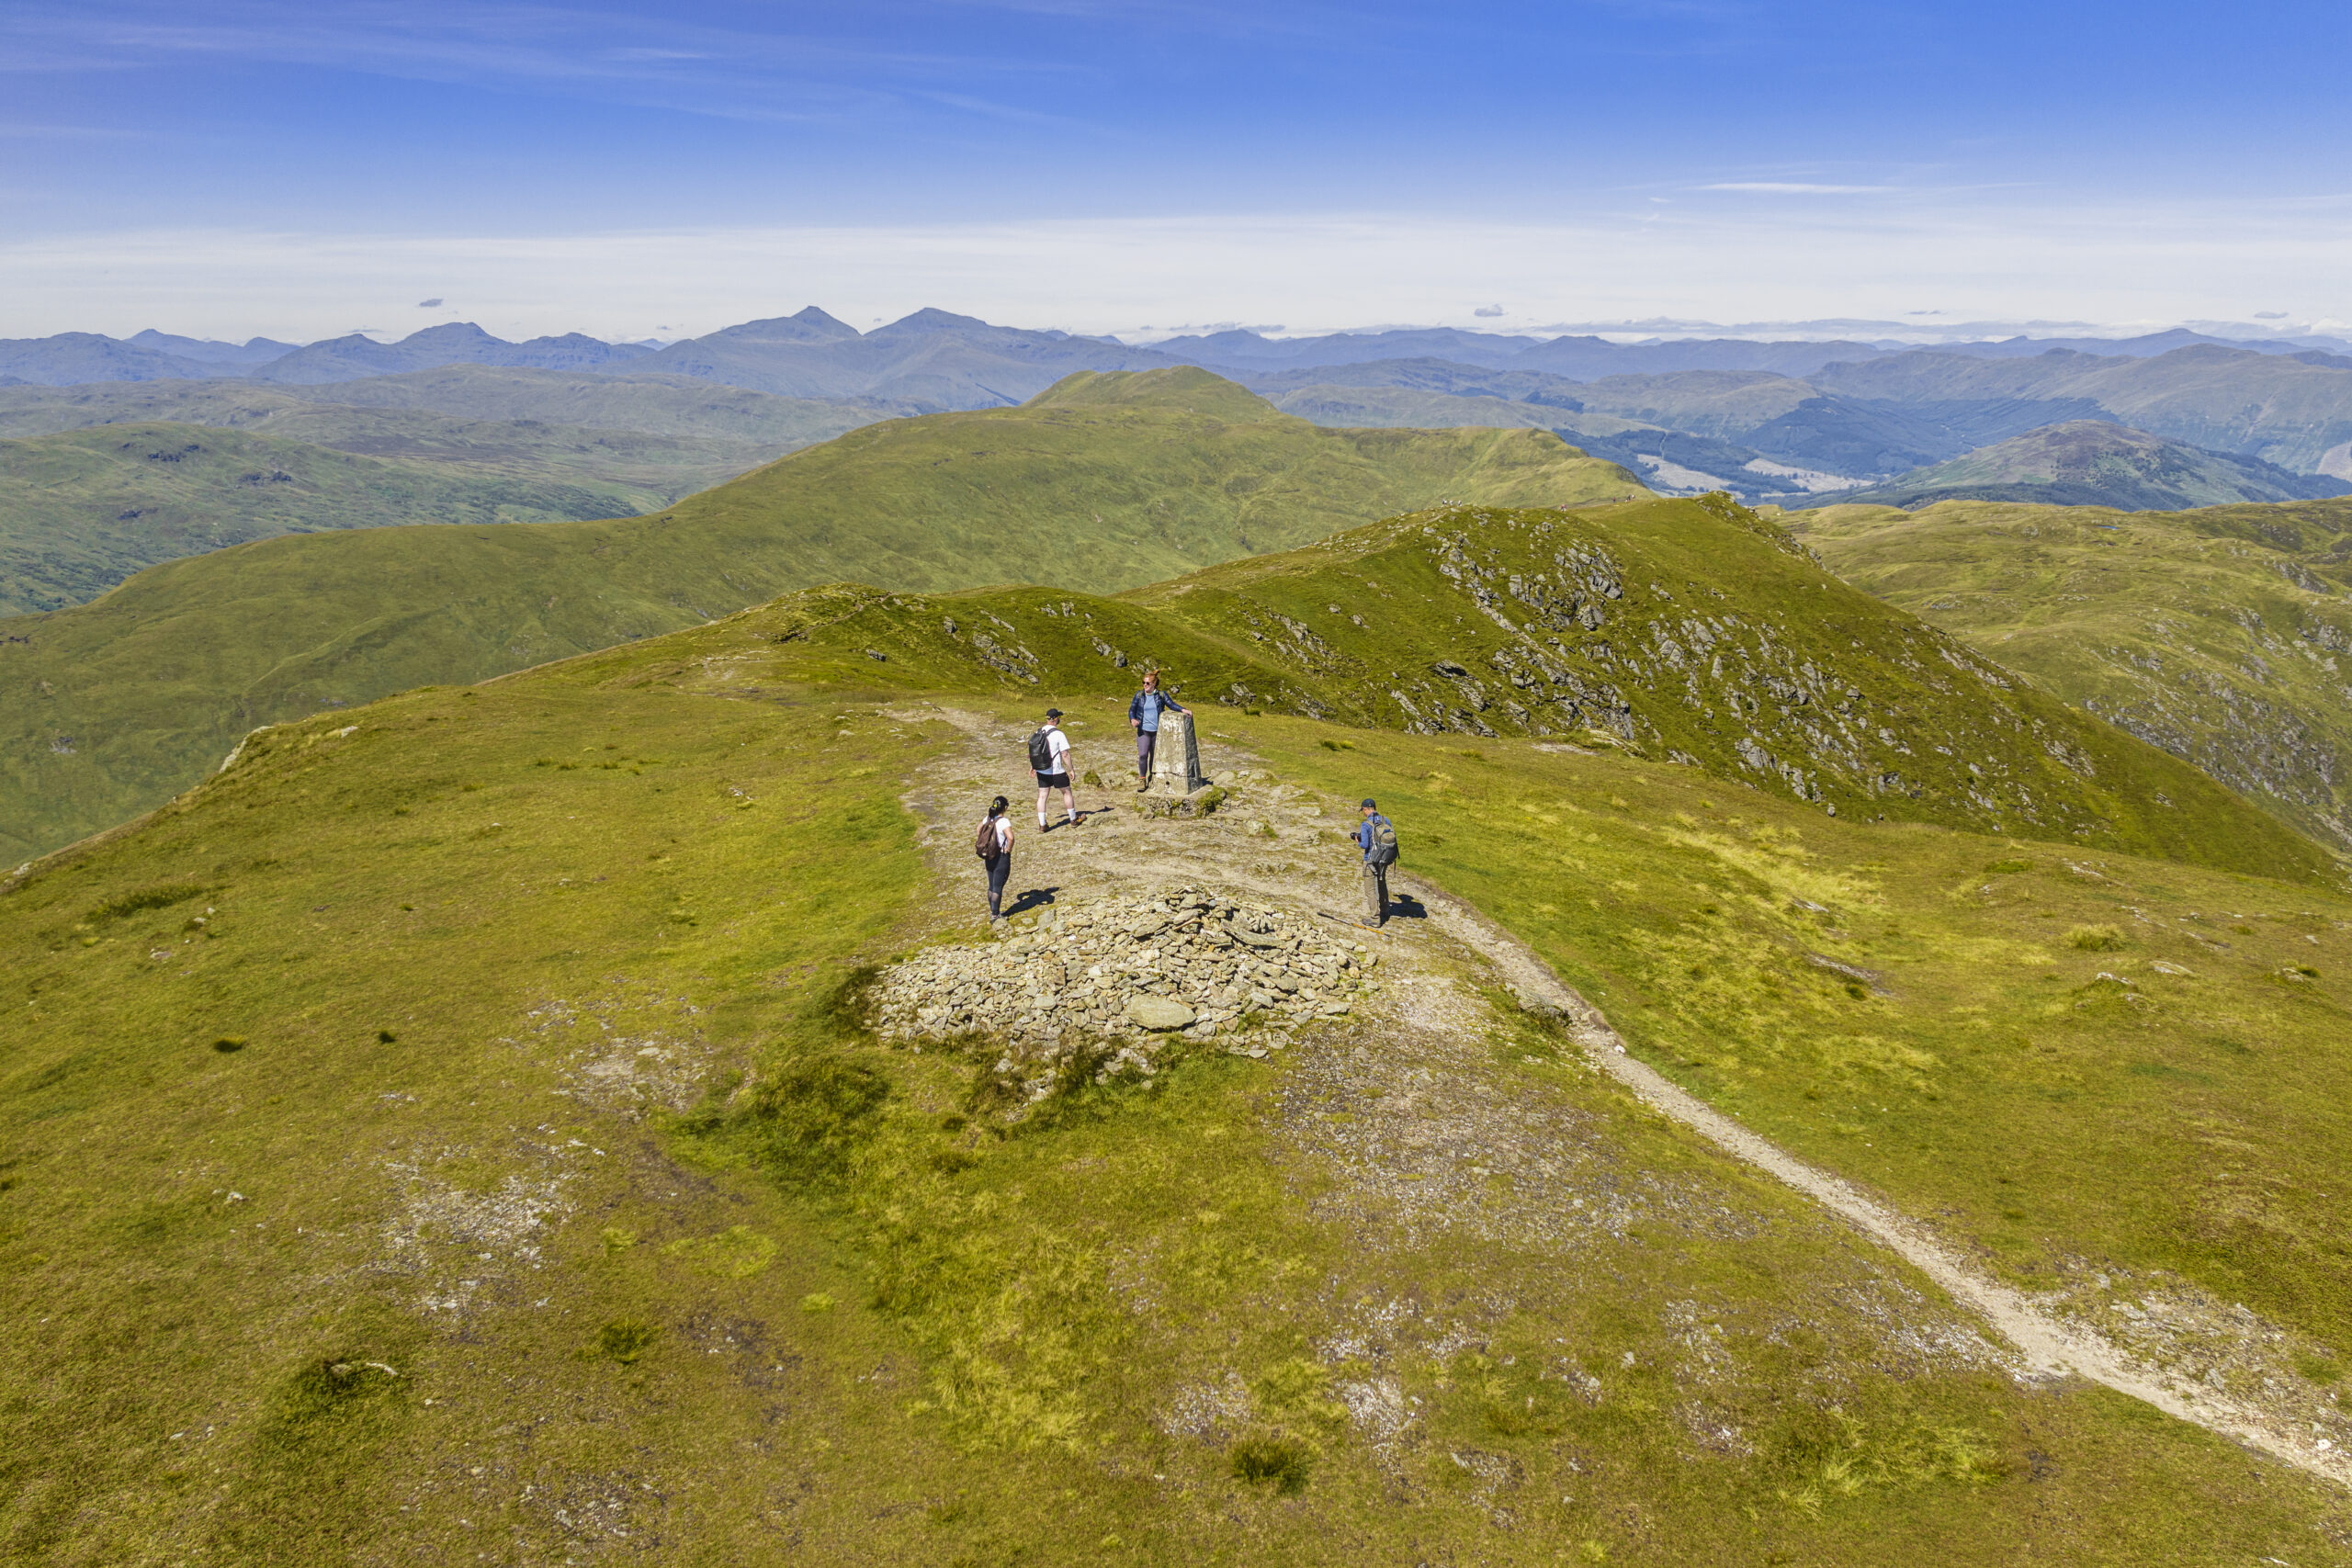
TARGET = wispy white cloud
(783,73)
(1796,187)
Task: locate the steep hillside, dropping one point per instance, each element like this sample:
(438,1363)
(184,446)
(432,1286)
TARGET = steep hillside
(83,509)
(459,1128)
(1105,484)
(2219,635)
(1688,632)
(2092,463)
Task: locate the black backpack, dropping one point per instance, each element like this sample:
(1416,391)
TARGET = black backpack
(1041,753)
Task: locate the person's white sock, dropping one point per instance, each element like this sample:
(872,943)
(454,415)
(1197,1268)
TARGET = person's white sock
(1041,819)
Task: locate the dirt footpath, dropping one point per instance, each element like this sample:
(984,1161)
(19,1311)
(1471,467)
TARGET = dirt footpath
(1285,847)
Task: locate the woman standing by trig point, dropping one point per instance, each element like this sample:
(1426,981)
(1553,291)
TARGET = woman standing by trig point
(1144,714)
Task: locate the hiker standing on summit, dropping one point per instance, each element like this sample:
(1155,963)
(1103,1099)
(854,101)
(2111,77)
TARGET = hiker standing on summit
(1050,760)
(993,844)
(1376,836)
(1144,714)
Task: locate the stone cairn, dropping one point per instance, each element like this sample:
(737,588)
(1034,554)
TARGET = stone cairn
(1128,972)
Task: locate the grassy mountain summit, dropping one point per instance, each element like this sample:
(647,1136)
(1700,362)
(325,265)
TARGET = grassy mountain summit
(457,1126)
(2095,463)
(1685,631)
(2220,635)
(1108,482)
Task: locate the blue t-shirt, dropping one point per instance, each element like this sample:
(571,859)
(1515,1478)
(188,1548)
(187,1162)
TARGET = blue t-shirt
(1147,708)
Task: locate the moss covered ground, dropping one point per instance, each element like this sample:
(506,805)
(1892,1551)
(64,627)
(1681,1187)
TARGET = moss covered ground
(446,1136)
(2073,1064)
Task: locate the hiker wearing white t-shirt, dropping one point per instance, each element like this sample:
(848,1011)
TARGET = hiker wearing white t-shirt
(993,844)
(1050,760)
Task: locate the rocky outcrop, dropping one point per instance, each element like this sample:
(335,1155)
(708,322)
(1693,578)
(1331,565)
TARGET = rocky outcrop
(1129,973)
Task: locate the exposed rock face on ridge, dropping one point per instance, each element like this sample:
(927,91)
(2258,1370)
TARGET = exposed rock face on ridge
(1121,971)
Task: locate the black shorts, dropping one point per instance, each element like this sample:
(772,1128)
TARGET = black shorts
(1053,781)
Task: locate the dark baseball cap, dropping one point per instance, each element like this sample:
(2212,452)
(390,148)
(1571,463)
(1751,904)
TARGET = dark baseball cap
(1368,806)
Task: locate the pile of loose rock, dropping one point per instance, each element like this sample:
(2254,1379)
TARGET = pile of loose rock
(1185,961)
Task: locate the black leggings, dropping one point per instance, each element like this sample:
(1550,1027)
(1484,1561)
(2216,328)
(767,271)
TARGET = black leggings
(1000,870)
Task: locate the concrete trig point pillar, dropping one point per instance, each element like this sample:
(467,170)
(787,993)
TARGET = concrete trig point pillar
(1176,758)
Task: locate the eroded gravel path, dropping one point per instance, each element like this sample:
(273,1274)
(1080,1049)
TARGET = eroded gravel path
(1307,863)
(2049,1345)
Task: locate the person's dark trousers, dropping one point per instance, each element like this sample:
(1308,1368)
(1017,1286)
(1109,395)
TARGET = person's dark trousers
(1147,741)
(1375,894)
(999,871)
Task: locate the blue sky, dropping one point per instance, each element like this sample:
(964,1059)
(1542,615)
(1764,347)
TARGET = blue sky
(299,169)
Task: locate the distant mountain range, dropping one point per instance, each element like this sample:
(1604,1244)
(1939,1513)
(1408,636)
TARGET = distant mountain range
(933,360)
(1786,423)
(2088,462)
(930,362)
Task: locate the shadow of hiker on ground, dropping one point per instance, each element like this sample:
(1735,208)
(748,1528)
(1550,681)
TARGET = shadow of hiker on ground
(1031,898)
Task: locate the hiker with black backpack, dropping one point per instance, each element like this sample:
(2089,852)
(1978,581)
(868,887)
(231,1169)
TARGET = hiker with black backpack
(1050,760)
(1377,837)
(993,844)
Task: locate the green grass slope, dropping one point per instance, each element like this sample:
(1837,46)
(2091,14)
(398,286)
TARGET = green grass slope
(1103,483)
(650,405)
(2088,462)
(2220,635)
(380,1180)
(2072,1064)
(83,510)
(1684,631)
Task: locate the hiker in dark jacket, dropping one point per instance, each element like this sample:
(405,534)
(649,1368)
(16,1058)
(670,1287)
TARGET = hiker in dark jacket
(1376,836)
(1144,714)
(996,835)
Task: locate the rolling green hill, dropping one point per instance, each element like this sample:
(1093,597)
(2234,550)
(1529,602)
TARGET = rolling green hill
(2220,635)
(2092,463)
(453,1130)
(1101,483)
(83,510)
(80,513)
(510,396)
